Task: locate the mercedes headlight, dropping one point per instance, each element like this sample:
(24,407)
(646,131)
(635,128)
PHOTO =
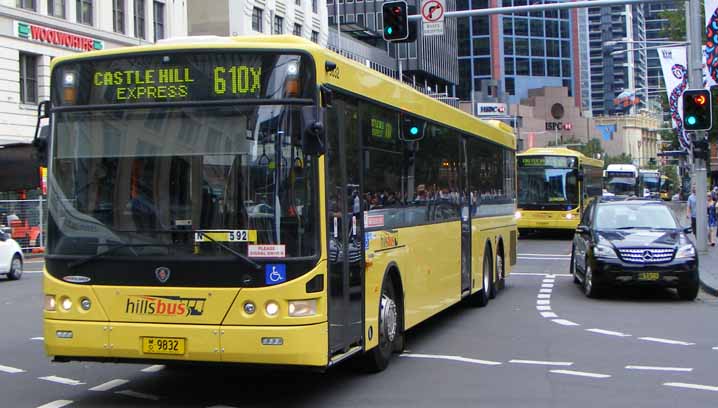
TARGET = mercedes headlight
(604,251)
(686,251)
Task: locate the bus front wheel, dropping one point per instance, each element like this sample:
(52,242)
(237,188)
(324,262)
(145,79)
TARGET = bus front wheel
(390,334)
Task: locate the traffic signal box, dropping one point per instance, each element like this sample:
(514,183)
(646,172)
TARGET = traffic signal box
(397,27)
(697,114)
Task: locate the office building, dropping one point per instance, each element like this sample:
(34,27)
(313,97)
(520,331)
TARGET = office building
(35,31)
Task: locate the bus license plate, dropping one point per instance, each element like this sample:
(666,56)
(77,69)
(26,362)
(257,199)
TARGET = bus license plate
(162,345)
(649,276)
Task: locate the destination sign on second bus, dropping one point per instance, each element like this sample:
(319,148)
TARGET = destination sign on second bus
(557,162)
(182,77)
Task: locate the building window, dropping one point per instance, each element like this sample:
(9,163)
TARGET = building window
(298,2)
(118,16)
(297,30)
(159,12)
(84,11)
(140,19)
(26,4)
(278,25)
(56,8)
(28,78)
(315,36)
(257,19)
(315,6)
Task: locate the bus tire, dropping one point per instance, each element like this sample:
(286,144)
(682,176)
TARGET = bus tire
(500,272)
(481,298)
(377,359)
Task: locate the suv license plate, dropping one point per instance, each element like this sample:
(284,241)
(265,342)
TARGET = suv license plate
(649,276)
(162,345)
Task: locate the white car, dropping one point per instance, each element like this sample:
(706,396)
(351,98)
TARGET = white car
(11,258)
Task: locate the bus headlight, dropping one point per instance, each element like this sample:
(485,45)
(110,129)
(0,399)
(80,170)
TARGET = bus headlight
(570,216)
(517,215)
(302,308)
(50,303)
(272,308)
(85,304)
(249,308)
(66,303)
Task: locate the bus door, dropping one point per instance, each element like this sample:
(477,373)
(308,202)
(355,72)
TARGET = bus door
(345,227)
(466,214)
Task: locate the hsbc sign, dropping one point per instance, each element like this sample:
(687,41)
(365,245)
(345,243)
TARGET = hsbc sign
(490,109)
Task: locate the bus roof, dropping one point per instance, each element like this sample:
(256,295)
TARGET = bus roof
(622,167)
(348,75)
(562,151)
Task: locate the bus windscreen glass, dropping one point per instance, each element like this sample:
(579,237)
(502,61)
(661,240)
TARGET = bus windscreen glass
(544,185)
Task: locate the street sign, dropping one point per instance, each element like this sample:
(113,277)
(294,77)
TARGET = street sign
(432,16)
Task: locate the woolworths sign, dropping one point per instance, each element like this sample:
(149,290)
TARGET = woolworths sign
(38,33)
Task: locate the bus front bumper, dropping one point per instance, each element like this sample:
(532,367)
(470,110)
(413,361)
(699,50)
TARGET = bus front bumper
(305,345)
(531,221)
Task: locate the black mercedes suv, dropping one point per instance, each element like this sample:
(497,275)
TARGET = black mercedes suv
(633,242)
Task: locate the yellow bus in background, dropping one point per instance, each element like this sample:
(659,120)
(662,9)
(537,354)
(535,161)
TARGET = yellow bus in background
(261,200)
(554,184)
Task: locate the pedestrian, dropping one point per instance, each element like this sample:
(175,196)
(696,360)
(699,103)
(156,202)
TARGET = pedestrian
(712,221)
(691,210)
(714,193)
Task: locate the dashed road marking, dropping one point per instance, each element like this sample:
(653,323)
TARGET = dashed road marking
(37,338)
(451,358)
(545,290)
(565,322)
(537,362)
(543,302)
(10,370)
(653,368)
(667,341)
(140,395)
(543,307)
(109,385)
(609,332)
(538,274)
(544,296)
(153,368)
(543,258)
(549,315)
(547,285)
(580,373)
(61,380)
(56,404)
(691,386)
(562,255)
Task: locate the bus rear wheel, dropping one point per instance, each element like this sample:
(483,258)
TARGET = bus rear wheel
(481,298)
(390,332)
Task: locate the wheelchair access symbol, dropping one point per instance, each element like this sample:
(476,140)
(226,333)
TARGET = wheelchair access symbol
(275,273)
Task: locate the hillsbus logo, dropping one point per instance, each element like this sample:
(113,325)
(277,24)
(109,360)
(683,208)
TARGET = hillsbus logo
(164,305)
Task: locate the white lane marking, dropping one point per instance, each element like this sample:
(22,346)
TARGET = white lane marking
(26,271)
(544,296)
(545,308)
(56,404)
(451,358)
(109,385)
(653,368)
(551,275)
(547,285)
(580,373)
(549,315)
(543,258)
(37,338)
(539,274)
(153,368)
(527,254)
(565,322)
(61,380)
(537,362)
(10,370)
(549,280)
(691,386)
(545,290)
(543,302)
(609,332)
(667,341)
(136,394)
(715,348)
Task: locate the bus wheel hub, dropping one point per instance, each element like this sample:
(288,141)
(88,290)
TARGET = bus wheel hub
(388,317)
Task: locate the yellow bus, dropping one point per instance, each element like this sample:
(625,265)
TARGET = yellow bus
(554,184)
(261,200)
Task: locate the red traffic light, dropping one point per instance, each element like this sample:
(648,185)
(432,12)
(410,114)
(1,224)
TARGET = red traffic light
(396,10)
(700,100)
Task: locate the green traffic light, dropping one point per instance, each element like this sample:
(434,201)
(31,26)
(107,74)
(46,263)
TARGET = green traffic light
(389,30)
(691,120)
(414,130)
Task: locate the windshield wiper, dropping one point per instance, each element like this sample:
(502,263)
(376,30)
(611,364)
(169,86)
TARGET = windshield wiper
(115,248)
(627,228)
(235,253)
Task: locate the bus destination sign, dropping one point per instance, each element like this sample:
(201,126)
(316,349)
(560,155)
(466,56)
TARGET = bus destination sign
(557,162)
(176,77)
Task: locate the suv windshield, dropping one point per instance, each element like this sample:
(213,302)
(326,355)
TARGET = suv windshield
(620,216)
(175,181)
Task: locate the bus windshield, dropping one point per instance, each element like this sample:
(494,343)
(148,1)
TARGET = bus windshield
(182,181)
(548,188)
(651,182)
(621,185)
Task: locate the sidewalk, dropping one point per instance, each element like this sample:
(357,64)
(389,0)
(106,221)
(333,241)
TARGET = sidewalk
(708,266)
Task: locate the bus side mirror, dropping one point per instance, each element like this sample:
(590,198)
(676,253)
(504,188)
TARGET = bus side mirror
(579,176)
(312,131)
(42,133)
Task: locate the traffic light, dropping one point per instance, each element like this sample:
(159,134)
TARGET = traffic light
(396,21)
(697,113)
(701,149)
(412,128)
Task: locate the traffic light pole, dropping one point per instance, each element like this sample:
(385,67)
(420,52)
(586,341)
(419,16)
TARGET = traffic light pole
(695,78)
